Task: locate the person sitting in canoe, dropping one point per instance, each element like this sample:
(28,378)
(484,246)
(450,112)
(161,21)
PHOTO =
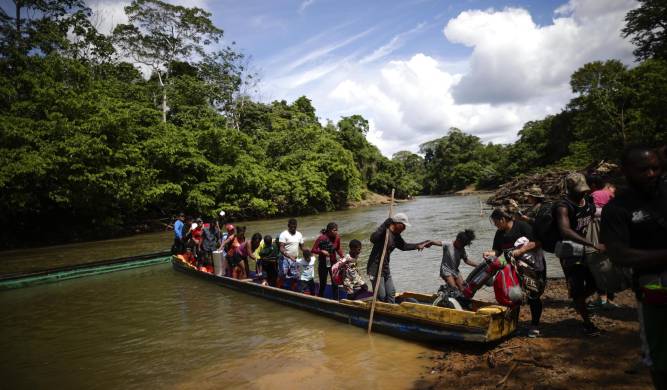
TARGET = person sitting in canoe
(353,284)
(396,225)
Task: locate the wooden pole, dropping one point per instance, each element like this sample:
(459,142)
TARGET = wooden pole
(378,275)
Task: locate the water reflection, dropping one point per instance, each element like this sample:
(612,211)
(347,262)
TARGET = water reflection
(157,327)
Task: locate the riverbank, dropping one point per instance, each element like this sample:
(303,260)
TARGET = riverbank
(373,199)
(562,358)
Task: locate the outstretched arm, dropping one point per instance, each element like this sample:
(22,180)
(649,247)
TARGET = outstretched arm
(470,262)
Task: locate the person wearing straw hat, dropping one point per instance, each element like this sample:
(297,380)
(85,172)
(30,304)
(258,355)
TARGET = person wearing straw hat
(396,225)
(535,198)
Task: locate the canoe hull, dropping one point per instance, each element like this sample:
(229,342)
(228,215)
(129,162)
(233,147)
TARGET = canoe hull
(357,313)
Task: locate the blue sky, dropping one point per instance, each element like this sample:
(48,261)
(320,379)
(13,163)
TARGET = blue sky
(416,68)
(266,28)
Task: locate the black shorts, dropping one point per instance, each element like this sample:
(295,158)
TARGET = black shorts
(580,281)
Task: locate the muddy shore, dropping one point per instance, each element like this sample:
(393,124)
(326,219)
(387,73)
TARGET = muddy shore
(561,358)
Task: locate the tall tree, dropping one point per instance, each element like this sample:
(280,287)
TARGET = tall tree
(603,105)
(647,25)
(41,27)
(160,33)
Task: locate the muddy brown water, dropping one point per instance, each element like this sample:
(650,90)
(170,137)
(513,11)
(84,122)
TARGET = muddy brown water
(156,327)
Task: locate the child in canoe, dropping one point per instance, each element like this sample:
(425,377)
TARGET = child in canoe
(307,273)
(346,272)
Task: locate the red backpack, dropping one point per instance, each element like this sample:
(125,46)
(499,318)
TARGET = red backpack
(338,272)
(506,286)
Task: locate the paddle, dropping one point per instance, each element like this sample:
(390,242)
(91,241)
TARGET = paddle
(378,275)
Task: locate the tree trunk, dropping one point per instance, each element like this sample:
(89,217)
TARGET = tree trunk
(164,105)
(17,3)
(164,97)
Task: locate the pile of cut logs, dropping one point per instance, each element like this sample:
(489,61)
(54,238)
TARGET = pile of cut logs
(551,183)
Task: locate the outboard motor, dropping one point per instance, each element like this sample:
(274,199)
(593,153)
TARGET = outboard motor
(451,298)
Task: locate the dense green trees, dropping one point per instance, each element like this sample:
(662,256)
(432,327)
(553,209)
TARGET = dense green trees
(90,146)
(647,25)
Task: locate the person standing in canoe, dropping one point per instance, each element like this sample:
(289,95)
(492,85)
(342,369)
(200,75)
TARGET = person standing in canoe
(291,241)
(396,225)
(326,247)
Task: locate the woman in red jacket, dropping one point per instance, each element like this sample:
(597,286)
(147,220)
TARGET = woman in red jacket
(326,247)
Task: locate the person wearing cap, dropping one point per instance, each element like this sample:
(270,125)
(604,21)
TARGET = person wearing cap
(573,214)
(396,225)
(535,198)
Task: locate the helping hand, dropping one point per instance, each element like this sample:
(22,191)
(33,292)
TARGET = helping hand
(602,248)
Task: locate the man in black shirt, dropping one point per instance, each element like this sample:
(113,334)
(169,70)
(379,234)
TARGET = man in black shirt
(396,226)
(573,215)
(634,228)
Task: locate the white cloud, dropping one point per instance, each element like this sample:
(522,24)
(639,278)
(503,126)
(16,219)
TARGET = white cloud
(322,51)
(305,4)
(395,43)
(518,71)
(410,102)
(515,60)
(107,14)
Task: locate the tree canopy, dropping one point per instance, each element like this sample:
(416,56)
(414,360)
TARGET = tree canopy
(92,147)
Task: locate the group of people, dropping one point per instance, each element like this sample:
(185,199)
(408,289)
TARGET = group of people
(595,221)
(592,219)
(277,261)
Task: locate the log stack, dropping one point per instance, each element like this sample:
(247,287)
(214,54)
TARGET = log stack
(551,183)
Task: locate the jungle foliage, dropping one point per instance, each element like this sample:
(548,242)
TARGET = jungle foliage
(91,147)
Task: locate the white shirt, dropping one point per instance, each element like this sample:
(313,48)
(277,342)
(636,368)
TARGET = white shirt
(307,268)
(291,242)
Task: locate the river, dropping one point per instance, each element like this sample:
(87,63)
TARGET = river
(156,327)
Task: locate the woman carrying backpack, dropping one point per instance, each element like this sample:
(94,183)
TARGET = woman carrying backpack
(509,232)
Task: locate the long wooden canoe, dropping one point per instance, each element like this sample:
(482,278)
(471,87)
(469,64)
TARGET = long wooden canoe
(415,321)
(29,279)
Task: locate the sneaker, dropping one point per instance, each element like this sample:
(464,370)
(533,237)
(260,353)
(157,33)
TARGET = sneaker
(591,330)
(608,305)
(533,332)
(595,305)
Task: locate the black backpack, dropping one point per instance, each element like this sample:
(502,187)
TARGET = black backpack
(545,226)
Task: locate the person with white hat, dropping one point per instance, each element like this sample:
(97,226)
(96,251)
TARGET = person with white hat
(396,225)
